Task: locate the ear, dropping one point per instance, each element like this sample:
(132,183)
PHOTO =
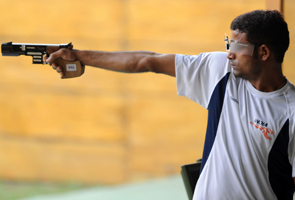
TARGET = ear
(264,52)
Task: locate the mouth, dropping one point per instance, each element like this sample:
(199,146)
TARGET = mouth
(233,65)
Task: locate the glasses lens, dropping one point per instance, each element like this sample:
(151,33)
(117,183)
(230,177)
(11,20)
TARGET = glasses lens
(241,48)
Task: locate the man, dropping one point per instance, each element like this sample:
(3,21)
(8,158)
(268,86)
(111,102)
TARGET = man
(250,146)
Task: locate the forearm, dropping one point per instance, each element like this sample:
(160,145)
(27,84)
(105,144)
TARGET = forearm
(131,61)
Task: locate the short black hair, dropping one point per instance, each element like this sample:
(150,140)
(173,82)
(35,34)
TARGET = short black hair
(265,27)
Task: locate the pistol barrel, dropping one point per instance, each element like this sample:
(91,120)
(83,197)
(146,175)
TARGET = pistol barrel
(35,50)
(7,49)
(23,48)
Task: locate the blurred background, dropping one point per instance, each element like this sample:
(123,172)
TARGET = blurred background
(104,127)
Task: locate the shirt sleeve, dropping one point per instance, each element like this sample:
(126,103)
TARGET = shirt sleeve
(197,76)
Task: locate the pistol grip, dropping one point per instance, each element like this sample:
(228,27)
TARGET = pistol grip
(70,69)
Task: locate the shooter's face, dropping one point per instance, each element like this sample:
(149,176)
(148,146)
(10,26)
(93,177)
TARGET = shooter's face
(241,56)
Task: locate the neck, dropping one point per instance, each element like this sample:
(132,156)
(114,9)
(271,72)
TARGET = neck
(270,80)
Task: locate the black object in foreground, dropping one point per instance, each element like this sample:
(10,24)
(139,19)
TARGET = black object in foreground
(190,174)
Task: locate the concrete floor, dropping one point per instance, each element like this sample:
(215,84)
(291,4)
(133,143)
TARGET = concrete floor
(171,188)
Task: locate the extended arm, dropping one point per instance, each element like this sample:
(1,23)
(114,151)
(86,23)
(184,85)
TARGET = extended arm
(129,62)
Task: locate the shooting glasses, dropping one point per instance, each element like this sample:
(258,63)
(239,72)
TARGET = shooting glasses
(234,46)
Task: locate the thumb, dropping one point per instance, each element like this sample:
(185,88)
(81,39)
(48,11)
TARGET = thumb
(52,57)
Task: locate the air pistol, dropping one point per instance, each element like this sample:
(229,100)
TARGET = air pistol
(38,51)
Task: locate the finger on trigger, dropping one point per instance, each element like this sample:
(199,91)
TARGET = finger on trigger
(58,69)
(54,66)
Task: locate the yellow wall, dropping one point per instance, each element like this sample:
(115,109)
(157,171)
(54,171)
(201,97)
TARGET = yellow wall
(289,64)
(104,127)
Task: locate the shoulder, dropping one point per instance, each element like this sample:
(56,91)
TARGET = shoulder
(291,94)
(202,56)
(217,60)
(291,101)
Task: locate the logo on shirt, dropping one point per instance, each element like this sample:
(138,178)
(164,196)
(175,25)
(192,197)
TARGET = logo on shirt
(234,100)
(262,126)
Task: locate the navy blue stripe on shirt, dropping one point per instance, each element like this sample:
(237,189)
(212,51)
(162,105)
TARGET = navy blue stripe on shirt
(279,167)
(214,111)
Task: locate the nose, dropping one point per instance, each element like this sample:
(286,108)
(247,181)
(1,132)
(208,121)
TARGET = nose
(231,56)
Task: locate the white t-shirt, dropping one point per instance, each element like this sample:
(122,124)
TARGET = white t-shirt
(250,146)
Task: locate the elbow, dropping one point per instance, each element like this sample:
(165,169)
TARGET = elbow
(145,64)
(158,63)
